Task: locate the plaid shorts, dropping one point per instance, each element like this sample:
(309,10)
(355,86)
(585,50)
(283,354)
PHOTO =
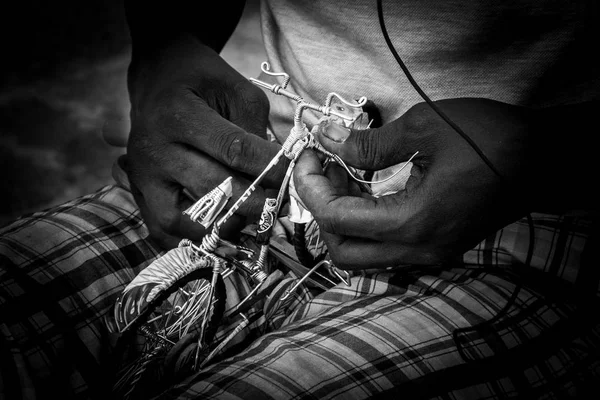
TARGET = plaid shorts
(490,328)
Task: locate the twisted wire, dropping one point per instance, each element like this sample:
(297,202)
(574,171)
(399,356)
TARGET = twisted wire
(176,274)
(210,241)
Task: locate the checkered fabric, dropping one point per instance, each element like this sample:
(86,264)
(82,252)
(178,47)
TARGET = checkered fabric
(60,272)
(491,328)
(410,335)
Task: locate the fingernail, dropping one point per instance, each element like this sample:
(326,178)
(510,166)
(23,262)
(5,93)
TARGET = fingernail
(116,131)
(333,131)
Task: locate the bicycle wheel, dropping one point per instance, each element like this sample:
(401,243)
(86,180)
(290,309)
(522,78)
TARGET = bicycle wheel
(164,305)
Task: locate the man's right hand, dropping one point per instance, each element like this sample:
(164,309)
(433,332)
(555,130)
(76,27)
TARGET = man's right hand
(194,122)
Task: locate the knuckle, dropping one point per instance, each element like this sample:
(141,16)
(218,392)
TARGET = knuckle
(366,148)
(417,119)
(239,152)
(234,150)
(250,110)
(139,140)
(159,101)
(145,148)
(167,220)
(373,148)
(165,110)
(252,97)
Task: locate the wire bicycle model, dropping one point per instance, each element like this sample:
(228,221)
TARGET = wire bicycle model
(181,298)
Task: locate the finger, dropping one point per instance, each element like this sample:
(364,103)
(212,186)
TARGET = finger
(250,109)
(354,253)
(336,212)
(207,131)
(159,206)
(115,130)
(200,174)
(370,149)
(341,180)
(162,201)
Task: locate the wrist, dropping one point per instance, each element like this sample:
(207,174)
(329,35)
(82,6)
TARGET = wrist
(153,68)
(562,163)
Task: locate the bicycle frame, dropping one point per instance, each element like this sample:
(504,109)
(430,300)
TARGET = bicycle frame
(253,264)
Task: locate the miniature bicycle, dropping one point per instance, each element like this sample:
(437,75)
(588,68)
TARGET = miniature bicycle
(179,301)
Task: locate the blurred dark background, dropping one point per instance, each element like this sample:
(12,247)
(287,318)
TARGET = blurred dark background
(62,75)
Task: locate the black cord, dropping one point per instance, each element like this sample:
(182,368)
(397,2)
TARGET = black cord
(424,95)
(485,324)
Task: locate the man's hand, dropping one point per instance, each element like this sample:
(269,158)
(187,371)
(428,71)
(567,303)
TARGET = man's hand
(452,199)
(195,121)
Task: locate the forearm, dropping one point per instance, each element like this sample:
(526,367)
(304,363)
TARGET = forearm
(566,167)
(155,25)
(175,42)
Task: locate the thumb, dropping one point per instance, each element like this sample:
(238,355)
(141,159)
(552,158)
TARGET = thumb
(115,130)
(369,149)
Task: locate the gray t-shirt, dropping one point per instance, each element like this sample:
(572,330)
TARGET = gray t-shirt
(534,53)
